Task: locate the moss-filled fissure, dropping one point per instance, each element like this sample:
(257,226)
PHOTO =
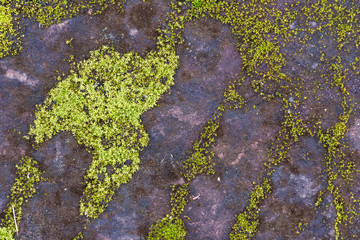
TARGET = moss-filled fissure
(263,32)
(200,160)
(198,163)
(27,176)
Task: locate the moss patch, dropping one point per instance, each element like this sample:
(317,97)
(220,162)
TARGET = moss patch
(101,102)
(102,99)
(262,31)
(28,175)
(44,12)
(8,31)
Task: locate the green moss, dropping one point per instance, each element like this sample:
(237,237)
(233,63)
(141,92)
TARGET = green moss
(200,160)
(319,199)
(8,32)
(171,226)
(302,227)
(253,22)
(168,228)
(79,236)
(198,163)
(198,3)
(27,176)
(46,13)
(247,222)
(233,97)
(56,11)
(101,102)
(5,234)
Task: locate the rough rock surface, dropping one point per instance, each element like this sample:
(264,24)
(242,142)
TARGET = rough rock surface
(208,61)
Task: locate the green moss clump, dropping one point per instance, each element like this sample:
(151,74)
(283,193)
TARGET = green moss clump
(5,24)
(101,102)
(28,175)
(247,222)
(233,97)
(198,3)
(171,226)
(8,31)
(5,234)
(168,228)
(200,160)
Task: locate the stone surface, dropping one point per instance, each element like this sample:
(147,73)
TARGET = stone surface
(208,61)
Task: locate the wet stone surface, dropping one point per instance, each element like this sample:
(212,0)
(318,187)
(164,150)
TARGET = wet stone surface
(208,61)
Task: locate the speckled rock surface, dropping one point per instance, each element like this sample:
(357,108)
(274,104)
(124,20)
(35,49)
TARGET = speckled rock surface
(208,61)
